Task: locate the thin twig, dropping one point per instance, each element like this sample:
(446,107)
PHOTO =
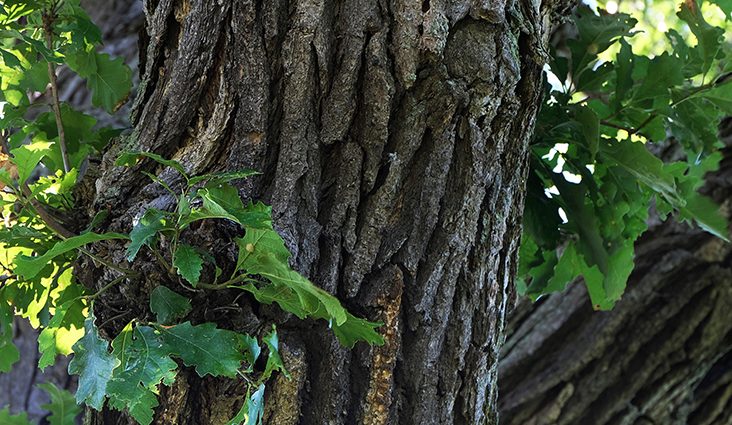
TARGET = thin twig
(613,125)
(50,221)
(161,260)
(48,18)
(106,287)
(224,285)
(112,266)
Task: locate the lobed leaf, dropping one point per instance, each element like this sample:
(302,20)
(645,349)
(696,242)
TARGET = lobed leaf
(211,351)
(63,407)
(188,263)
(28,267)
(168,306)
(94,364)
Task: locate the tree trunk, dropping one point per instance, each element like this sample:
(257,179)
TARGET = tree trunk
(392,138)
(662,356)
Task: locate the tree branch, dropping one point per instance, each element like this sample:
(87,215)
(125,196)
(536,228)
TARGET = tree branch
(48,18)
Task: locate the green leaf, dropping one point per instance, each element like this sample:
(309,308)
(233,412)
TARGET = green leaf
(263,252)
(709,38)
(144,363)
(28,267)
(725,5)
(168,306)
(251,351)
(649,170)
(109,80)
(356,329)
(131,158)
(144,232)
(7,419)
(63,407)
(252,410)
(590,128)
(27,158)
(140,406)
(210,350)
(94,364)
(9,353)
(596,33)
(274,361)
(570,266)
(706,214)
(9,59)
(664,72)
(188,263)
(720,96)
(222,200)
(623,74)
(59,332)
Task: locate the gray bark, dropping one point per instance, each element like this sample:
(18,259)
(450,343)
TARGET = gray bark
(662,356)
(392,137)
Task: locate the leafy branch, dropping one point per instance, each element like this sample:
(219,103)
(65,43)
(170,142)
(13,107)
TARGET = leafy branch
(591,186)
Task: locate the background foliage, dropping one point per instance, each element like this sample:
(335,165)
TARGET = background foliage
(593,178)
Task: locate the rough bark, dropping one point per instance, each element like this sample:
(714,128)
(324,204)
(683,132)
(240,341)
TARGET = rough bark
(662,356)
(392,138)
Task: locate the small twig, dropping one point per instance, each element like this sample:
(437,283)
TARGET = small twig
(224,285)
(47,218)
(48,18)
(161,260)
(106,287)
(112,266)
(613,125)
(113,318)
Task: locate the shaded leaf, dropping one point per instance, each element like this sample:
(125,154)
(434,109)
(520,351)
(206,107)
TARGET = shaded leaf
(6,418)
(144,232)
(168,306)
(131,158)
(252,410)
(188,263)
(63,407)
(144,363)
(94,364)
(210,350)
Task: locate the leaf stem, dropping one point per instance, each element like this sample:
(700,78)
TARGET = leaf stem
(161,260)
(224,285)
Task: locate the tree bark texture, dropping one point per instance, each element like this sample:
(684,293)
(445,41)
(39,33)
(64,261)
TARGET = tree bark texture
(392,138)
(662,356)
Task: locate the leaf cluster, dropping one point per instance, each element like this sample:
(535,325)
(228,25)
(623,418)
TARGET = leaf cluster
(594,176)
